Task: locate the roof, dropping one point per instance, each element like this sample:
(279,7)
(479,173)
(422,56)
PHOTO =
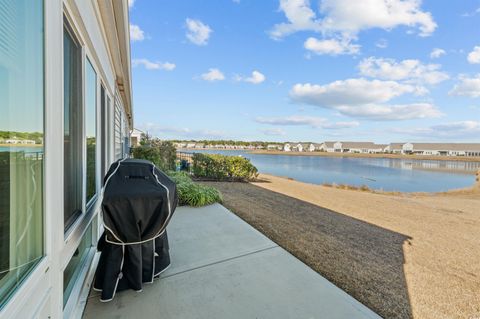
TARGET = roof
(359,145)
(447,146)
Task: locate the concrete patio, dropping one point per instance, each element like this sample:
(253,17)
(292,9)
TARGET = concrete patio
(223,268)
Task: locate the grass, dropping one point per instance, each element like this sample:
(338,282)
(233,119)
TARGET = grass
(194,194)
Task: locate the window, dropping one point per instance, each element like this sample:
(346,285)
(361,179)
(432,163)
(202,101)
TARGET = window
(91,130)
(73,127)
(72,271)
(21,141)
(105,107)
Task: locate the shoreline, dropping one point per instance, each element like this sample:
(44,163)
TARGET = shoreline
(361,155)
(21,145)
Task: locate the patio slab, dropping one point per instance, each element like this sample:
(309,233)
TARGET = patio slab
(223,268)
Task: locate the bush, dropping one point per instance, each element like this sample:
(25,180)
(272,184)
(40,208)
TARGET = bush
(194,194)
(162,153)
(221,167)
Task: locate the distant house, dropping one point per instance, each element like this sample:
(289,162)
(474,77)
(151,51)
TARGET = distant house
(312,147)
(352,147)
(273,147)
(180,145)
(191,145)
(200,145)
(136,137)
(287,147)
(435,149)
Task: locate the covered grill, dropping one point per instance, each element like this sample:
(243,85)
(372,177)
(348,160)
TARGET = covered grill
(138,203)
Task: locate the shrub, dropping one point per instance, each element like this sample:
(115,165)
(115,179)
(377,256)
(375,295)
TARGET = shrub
(162,153)
(194,194)
(221,167)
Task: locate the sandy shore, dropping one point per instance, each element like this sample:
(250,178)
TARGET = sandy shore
(358,155)
(404,256)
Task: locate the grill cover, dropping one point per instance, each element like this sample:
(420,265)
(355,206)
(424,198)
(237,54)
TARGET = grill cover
(138,202)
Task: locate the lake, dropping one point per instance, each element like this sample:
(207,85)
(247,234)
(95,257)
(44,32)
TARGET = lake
(387,174)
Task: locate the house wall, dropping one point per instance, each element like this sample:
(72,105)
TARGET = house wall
(41,294)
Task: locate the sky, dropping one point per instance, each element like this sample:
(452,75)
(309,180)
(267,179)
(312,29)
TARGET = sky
(299,70)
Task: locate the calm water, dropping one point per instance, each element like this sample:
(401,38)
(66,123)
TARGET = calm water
(377,173)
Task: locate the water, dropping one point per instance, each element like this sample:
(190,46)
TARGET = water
(19,148)
(377,173)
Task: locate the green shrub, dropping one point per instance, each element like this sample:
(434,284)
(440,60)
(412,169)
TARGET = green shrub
(221,167)
(162,153)
(194,194)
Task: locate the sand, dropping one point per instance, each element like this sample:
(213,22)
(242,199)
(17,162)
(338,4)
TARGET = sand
(402,255)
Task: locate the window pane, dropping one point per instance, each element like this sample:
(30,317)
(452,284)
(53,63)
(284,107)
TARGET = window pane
(73,124)
(21,141)
(104,133)
(91,129)
(71,272)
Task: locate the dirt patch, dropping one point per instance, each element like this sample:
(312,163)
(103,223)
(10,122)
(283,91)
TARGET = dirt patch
(404,256)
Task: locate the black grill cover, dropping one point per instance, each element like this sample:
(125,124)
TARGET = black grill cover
(138,202)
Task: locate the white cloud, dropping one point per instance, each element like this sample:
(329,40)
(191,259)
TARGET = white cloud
(348,17)
(467,87)
(387,112)
(436,53)
(340,125)
(149,65)
(136,34)
(474,56)
(450,130)
(212,75)
(331,46)
(131,3)
(472,13)
(294,120)
(274,132)
(350,92)
(163,131)
(362,98)
(300,18)
(256,78)
(198,33)
(411,71)
(302,120)
(382,44)
(354,16)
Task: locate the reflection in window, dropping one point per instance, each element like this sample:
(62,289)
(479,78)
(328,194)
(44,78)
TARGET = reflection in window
(21,141)
(73,127)
(91,129)
(73,268)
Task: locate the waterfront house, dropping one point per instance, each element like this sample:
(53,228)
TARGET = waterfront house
(435,149)
(199,145)
(71,59)
(191,145)
(312,147)
(274,147)
(352,147)
(287,147)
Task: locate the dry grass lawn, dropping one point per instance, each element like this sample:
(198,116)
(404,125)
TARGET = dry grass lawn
(404,256)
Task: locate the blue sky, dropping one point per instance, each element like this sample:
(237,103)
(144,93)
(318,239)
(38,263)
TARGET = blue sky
(299,70)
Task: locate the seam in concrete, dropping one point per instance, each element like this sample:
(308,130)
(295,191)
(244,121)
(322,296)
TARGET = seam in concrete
(203,266)
(219,262)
